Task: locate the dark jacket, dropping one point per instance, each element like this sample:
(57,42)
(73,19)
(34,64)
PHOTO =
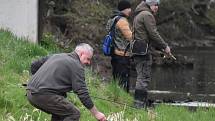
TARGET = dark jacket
(59,74)
(145,29)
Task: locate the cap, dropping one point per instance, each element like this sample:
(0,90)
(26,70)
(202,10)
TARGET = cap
(152,2)
(123,4)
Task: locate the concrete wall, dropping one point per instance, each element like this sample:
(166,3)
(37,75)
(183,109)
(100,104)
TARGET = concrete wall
(20,17)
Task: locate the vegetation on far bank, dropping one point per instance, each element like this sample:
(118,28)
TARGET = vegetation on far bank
(15,58)
(180,22)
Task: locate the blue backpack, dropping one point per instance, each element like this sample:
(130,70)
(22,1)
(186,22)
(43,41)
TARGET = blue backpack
(107,45)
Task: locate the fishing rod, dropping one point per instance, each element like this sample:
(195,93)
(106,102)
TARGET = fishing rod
(169,55)
(163,54)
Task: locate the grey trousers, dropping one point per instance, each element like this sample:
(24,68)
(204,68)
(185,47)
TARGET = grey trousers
(60,108)
(143,69)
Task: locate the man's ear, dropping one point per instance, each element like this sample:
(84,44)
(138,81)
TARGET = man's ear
(81,53)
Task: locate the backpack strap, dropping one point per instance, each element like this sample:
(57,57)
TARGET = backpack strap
(116,19)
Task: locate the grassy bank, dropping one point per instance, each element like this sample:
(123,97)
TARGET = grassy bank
(15,58)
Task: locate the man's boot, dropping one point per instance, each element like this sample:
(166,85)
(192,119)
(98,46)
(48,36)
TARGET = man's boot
(138,104)
(140,99)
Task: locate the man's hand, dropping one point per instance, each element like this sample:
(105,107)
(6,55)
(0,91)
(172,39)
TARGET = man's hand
(168,53)
(167,50)
(98,115)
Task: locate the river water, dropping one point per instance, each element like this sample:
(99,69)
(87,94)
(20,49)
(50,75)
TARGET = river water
(196,83)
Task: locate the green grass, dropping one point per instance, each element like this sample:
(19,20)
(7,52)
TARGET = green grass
(170,113)
(15,58)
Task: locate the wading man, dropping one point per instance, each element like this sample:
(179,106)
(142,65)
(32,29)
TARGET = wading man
(146,36)
(57,75)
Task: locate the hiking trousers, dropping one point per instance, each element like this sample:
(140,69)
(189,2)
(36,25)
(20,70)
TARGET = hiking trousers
(143,69)
(58,106)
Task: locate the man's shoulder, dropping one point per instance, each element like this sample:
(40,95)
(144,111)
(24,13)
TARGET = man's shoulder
(122,22)
(73,60)
(146,13)
(123,19)
(66,58)
(57,55)
(143,15)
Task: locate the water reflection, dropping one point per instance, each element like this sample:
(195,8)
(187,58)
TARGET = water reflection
(197,83)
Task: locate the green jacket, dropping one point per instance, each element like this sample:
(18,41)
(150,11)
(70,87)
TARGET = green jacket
(145,29)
